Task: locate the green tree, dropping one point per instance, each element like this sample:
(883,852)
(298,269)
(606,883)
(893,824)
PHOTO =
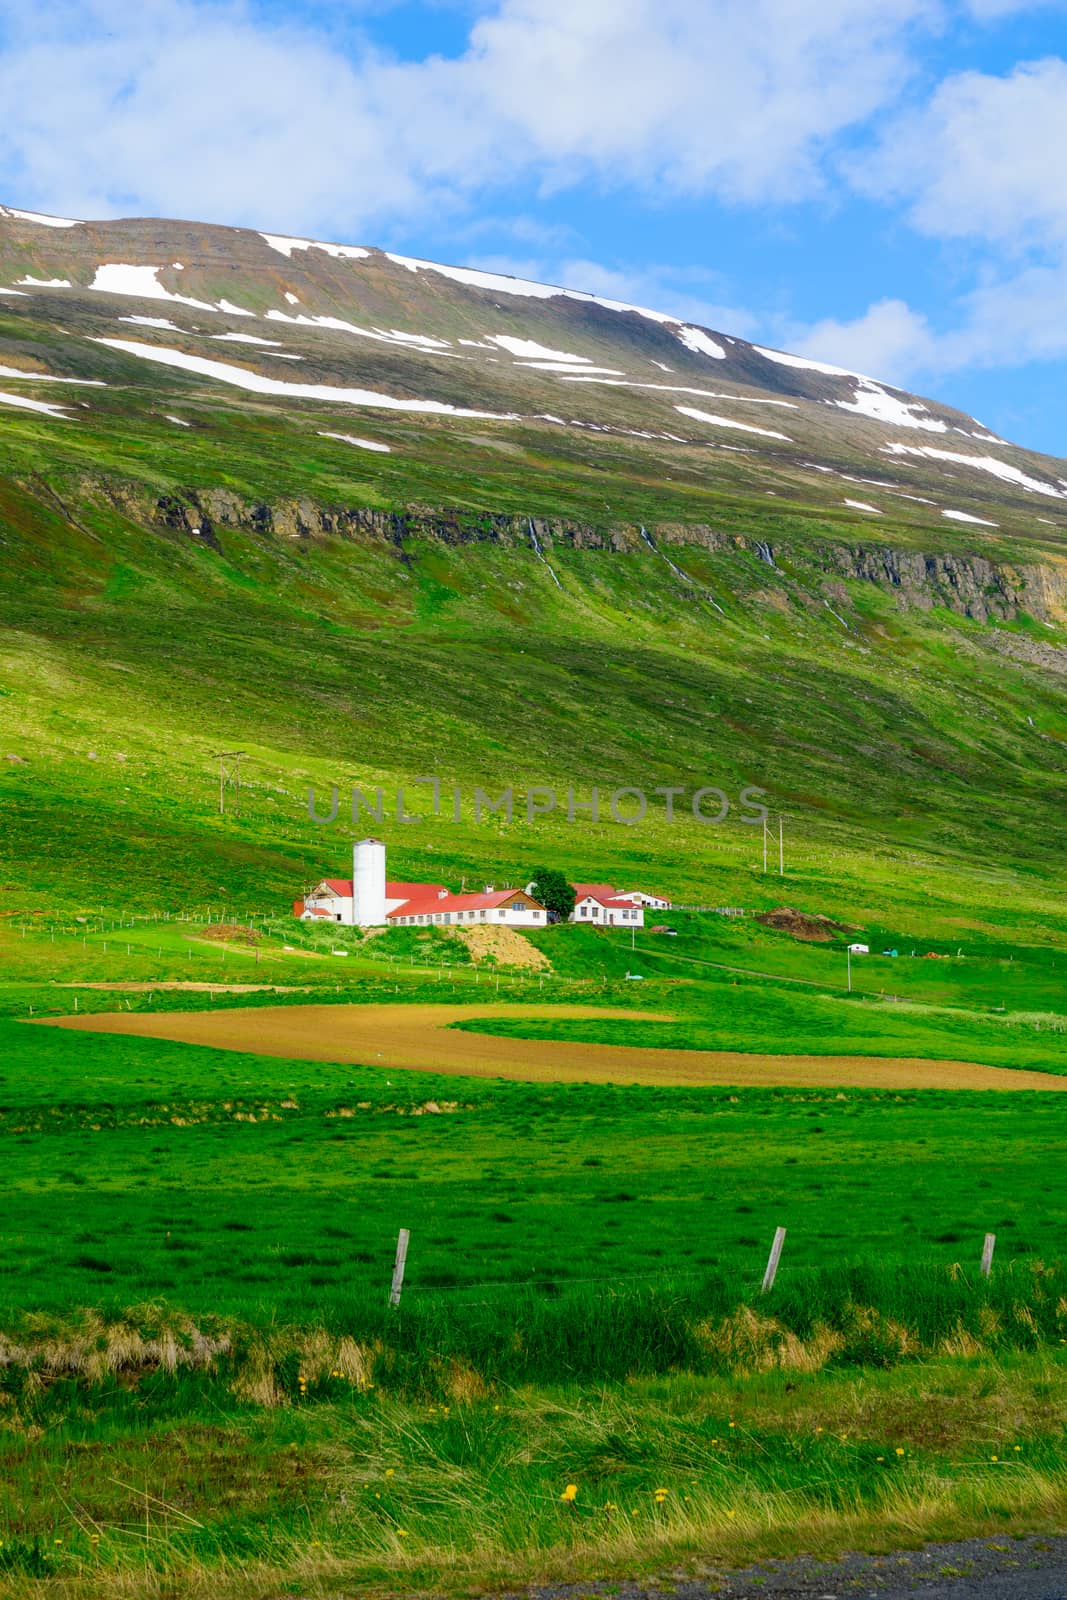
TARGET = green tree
(554,892)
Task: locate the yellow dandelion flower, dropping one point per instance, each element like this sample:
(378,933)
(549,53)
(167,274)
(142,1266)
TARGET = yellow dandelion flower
(402,1533)
(389,1471)
(1017,1447)
(900,1450)
(994,1458)
(570,1492)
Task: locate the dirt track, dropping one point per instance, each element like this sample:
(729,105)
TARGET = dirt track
(418,1037)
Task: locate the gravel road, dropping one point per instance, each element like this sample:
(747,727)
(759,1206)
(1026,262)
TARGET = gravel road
(1030,1568)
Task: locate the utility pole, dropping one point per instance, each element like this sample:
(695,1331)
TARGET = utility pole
(229,776)
(850,969)
(765,845)
(781,849)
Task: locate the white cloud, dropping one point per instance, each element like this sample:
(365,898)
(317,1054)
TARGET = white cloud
(1006,323)
(889,340)
(196,108)
(983,159)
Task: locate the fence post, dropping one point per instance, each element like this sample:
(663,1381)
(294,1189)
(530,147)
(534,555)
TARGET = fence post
(773,1260)
(987,1254)
(398,1269)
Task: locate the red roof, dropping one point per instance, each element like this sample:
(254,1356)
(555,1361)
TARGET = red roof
(393,891)
(461,902)
(599,891)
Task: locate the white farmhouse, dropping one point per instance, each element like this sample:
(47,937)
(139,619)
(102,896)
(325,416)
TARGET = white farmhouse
(602,906)
(369,900)
(654,902)
(608,911)
(503,908)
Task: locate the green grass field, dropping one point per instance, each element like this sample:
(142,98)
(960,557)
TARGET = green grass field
(202,1389)
(197,1247)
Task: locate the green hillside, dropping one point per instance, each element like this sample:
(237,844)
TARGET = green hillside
(630,598)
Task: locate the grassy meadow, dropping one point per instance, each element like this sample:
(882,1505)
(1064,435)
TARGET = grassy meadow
(582,1377)
(202,1389)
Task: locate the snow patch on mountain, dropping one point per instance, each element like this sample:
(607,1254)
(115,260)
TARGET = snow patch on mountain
(566,366)
(36,216)
(999,469)
(965,516)
(340,252)
(45,283)
(824,367)
(139,283)
(362,444)
(154,322)
(681,388)
(499,283)
(861,505)
(727,422)
(50,377)
(35,405)
(874,401)
(530,350)
(700,343)
(256,383)
(423,342)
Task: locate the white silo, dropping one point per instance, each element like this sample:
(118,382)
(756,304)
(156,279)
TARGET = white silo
(368,883)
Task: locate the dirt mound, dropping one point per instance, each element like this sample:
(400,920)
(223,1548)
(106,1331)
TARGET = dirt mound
(230,933)
(506,946)
(787,919)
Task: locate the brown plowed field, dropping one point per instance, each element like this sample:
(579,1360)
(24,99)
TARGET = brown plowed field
(418,1037)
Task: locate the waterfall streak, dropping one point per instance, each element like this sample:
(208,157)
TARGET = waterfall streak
(686,579)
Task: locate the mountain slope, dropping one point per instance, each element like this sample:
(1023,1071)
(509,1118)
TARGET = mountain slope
(169,315)
(371,519)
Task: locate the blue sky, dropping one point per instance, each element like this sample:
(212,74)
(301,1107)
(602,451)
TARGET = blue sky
(878,183)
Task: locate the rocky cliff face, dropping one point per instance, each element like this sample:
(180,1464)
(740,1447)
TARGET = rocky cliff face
(971,586)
